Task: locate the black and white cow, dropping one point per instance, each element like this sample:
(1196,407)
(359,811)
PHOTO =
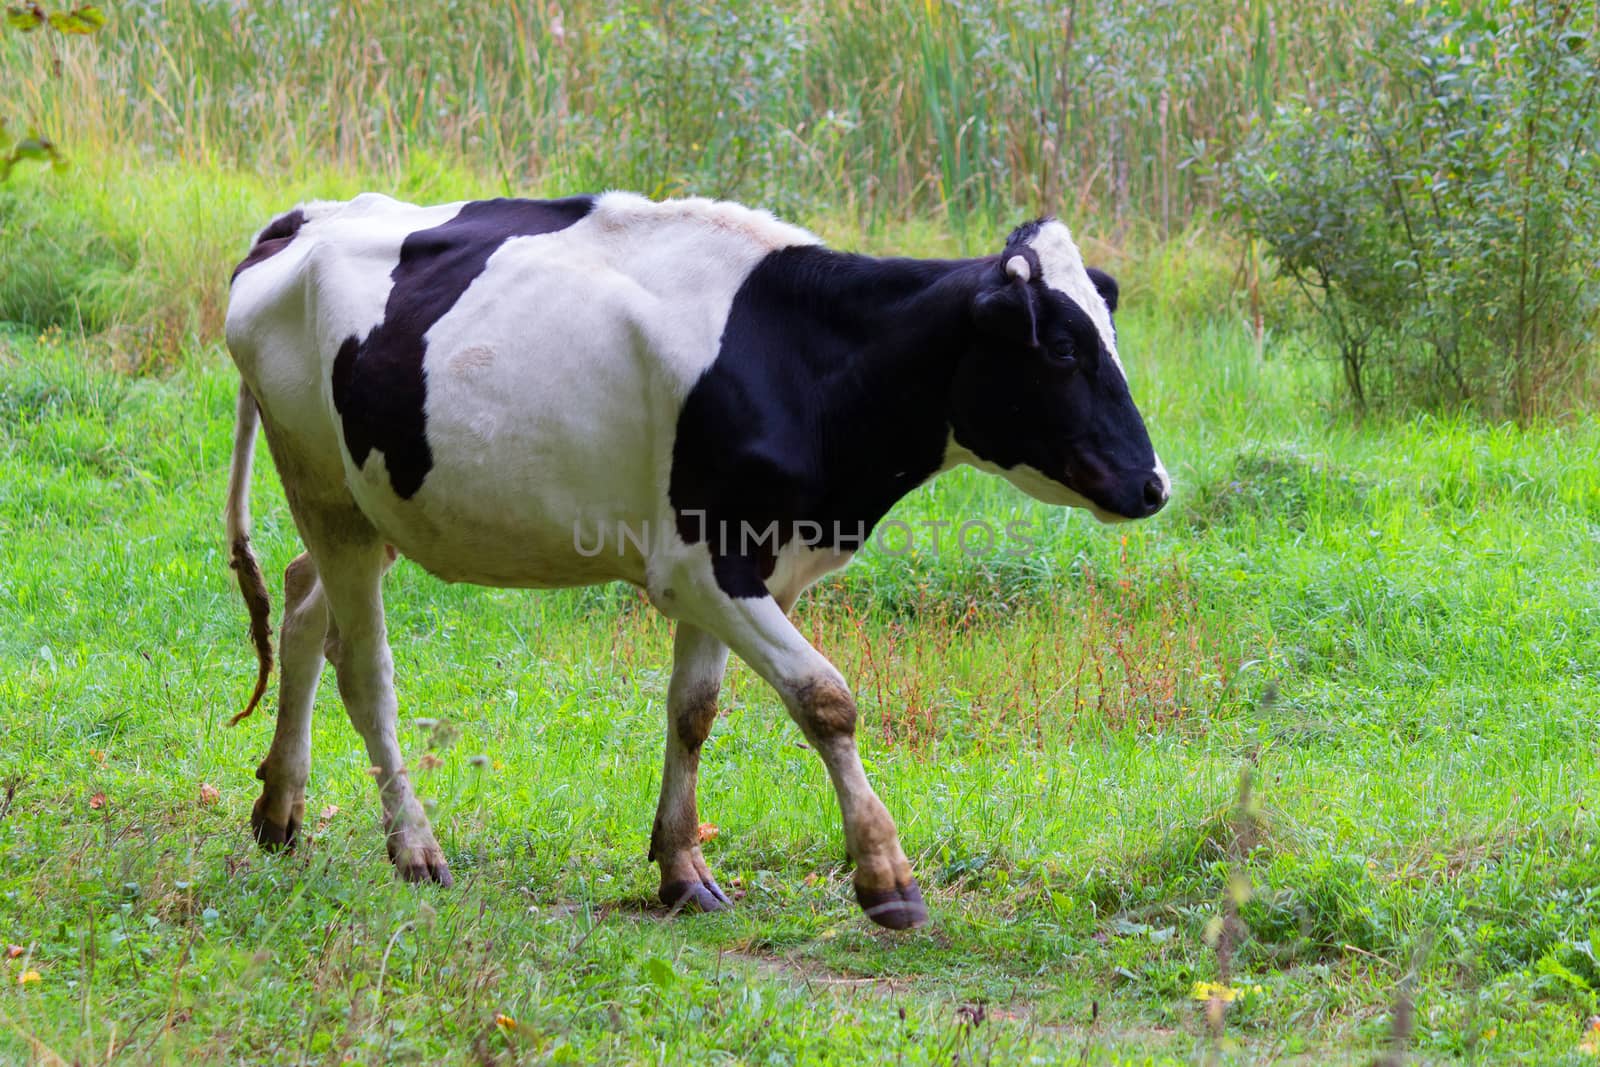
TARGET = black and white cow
(489,387)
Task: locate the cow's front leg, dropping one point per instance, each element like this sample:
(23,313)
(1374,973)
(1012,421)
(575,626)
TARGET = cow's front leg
(885,889)
(698,662)
(358,648)
(820,703)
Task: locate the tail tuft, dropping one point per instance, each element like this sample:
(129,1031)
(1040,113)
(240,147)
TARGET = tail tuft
(244,562)
(254,588)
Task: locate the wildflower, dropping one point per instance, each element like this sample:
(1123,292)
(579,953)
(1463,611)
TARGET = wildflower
(29,976)
(1225,993)
(1213,990)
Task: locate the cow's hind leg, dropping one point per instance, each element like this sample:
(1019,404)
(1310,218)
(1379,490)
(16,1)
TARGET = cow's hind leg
(352,562)
(280,809)
(698,662)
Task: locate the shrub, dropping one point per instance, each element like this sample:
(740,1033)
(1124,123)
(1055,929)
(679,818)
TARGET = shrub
(1441,209)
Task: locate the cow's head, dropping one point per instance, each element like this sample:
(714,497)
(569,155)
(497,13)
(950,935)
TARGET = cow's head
(1040,397)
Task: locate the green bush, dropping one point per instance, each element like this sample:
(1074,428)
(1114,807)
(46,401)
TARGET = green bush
(1441,209)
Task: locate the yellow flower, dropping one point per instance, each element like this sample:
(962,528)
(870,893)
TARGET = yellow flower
(505,1022)
(29,976)
(1210,990)
(1225,993)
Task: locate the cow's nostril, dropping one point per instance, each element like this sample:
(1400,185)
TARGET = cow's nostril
(1155,494)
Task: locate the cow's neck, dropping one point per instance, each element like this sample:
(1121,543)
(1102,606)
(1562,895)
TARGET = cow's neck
(878,341)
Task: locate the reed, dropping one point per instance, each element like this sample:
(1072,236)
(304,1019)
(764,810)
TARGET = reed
(883,110)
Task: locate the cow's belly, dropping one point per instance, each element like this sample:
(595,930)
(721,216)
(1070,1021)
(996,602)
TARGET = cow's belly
(527,527)
(545,470)
(507,554)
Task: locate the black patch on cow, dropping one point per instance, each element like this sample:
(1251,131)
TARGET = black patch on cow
(827,403)
(272,240)
(1025,233)
(840,378)
(379,385)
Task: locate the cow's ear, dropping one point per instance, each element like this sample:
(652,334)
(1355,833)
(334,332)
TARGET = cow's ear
(1005,307)
(1107,286)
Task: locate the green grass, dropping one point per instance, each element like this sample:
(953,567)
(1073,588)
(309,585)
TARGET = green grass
(1390,624)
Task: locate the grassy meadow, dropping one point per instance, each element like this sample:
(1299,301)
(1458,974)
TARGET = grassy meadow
(1320,734)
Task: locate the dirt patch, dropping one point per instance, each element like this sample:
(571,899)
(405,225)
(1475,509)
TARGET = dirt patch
(972,1014)
(813,975)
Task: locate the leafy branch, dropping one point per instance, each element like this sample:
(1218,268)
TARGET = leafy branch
(79,21)
(36,148)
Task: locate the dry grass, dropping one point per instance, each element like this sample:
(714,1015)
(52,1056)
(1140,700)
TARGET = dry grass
(1134,651)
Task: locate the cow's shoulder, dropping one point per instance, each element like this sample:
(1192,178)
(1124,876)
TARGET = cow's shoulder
(797,421)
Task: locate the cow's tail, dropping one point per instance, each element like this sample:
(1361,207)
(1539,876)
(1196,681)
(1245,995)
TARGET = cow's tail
(244,562)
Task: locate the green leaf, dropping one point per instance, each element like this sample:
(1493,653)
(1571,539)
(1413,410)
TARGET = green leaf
(80,20)
(25,17)
(659,972)
(37,148)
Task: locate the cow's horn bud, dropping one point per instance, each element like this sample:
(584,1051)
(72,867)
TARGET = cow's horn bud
(1017,267)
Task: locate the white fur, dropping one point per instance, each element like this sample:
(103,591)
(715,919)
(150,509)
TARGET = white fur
(1061,264)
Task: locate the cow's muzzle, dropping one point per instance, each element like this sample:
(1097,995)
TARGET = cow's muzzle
(1156,493)
(1134,496)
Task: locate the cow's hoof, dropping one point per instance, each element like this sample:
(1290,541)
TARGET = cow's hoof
(425,869)
(420,864)
(701,895)
(897,909)
(271,835)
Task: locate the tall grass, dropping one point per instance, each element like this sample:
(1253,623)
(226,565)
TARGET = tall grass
(139,258)
(887,110)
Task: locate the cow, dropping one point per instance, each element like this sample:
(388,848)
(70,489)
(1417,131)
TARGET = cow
(488,387)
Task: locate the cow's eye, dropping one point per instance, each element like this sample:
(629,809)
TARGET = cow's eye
(1063,356)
